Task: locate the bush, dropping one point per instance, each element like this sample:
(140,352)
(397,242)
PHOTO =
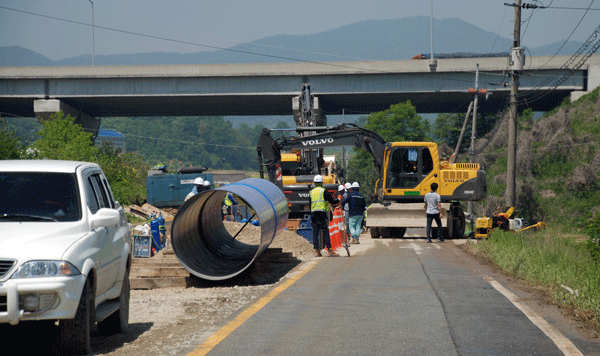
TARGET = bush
(593,242)
(126,173)
(548,258)
(61,138)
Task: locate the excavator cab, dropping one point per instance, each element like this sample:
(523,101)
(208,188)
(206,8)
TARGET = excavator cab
(407,165)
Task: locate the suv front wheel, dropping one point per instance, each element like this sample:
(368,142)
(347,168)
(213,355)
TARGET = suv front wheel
(75,334)
(118,322)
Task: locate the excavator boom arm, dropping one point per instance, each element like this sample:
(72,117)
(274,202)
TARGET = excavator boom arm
(322,136)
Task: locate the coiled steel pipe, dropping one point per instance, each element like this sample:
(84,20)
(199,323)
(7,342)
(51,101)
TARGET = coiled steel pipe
(203,245)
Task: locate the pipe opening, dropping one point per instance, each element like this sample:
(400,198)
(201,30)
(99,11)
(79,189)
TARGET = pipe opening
(201,241)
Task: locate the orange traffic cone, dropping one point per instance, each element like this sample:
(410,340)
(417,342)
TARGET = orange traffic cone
(335,235)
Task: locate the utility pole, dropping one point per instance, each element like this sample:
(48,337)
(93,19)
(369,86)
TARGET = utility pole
(343,147)
(516,65)
(475,103)
(93,35)
(432,61)
(474,127)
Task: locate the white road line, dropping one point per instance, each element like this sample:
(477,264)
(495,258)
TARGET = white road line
(416,247)
(564,344)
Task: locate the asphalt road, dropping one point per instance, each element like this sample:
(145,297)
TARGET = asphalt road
(400,297)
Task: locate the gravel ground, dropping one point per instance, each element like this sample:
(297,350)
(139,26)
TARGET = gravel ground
(172,321)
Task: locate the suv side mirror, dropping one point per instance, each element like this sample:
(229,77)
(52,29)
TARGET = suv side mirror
(105,217)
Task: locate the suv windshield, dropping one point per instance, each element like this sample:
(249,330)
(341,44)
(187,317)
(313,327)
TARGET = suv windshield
(35,196)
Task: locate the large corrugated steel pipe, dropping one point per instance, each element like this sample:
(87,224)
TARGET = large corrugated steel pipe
(201,241)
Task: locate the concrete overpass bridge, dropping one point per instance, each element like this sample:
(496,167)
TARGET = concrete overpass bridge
(93,92)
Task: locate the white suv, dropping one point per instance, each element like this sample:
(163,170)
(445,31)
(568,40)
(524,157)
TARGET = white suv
(65,249)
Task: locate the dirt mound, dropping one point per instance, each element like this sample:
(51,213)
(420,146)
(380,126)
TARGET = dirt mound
(288,241)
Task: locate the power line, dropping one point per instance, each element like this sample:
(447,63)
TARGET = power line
(568,38)
(572,59)
(248,52)
(191,43)
(570,8)
(499,29)
(218,47)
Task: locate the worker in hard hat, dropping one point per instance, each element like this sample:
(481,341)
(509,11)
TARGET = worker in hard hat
(347,186)
(338,209)
(206,185)
(319,200)
(198,186)
(356,209)
(341,191)
(228,204)
(356,187)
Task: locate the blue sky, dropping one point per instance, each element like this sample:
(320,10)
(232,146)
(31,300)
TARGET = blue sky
(225,23)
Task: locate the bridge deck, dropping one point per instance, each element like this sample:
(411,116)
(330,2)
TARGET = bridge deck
(268,88)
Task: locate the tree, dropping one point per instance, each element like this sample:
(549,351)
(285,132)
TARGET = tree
(61,138)
(398,123)
(447,128)
(126,173)
(10,145)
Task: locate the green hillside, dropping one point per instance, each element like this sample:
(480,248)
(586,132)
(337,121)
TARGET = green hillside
(558,164)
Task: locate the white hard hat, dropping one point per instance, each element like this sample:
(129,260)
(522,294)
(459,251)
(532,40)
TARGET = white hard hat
(199,181)
(347,185)
(206,183)
(318,179)
(341,187)
(355,185)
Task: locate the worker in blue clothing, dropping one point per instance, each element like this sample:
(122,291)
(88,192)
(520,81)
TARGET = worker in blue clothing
(356,210)
(198,187)
(228,204)
(319,200)
(347,186)
(206,185)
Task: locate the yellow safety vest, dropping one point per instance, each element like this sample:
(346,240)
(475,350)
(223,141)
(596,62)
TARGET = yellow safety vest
(228,201)
(317,200)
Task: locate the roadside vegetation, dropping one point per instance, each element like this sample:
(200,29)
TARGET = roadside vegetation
(60,138)
(565,266)
(558,170)
(558,165)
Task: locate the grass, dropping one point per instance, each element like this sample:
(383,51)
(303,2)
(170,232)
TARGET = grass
(550,258)
(134,219)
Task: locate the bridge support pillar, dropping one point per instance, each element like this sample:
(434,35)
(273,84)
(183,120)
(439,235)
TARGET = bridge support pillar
(46,107)
(593,81)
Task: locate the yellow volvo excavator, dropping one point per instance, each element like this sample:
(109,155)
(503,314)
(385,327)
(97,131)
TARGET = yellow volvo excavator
(407,170)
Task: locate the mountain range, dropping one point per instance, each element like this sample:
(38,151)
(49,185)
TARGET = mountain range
(366,40)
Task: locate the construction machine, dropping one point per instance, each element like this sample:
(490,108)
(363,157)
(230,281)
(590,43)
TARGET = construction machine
(504,221)
(294,174)
(407,170)
(298,166)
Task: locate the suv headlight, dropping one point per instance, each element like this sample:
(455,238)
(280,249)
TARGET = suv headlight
(37,269)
